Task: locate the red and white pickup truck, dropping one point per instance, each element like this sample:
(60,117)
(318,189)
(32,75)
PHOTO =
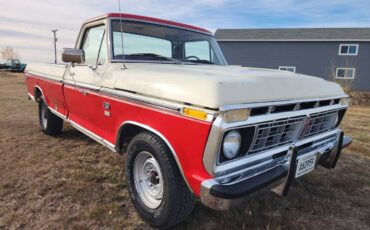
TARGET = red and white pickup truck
(191,126)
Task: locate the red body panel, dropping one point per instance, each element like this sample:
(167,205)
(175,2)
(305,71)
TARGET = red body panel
(51,90)
(85,109)
(186,136)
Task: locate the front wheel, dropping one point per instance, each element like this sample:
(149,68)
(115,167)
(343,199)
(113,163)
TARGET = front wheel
(156,186)
(50,123)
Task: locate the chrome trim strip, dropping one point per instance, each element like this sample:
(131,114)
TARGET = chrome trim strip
(82,85)
(213,142)
(93,136)
(165,141)
(143,99)
(110,39)
(58,114)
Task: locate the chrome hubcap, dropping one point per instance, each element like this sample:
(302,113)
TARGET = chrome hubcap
(148,180)
(43,116)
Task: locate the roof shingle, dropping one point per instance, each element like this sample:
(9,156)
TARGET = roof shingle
(334,34)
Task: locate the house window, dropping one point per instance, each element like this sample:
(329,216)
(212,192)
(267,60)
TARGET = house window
(287,68)
(348,49)
(346,73)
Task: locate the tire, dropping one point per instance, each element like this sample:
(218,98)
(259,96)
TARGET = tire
(50,123)
(169,201)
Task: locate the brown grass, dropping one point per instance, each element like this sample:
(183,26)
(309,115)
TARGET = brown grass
(71,182)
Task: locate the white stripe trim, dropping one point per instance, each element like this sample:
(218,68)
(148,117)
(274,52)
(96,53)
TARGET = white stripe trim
(37,74)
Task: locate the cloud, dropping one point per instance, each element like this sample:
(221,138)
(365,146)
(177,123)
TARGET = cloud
(26,25)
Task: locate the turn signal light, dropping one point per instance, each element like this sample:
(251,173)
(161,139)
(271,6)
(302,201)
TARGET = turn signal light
(194,113)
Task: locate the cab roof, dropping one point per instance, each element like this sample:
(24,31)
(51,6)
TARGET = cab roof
(149,19)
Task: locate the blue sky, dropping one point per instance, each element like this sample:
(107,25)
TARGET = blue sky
(26,25)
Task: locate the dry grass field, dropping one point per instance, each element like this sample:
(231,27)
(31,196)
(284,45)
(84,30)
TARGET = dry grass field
(71,182)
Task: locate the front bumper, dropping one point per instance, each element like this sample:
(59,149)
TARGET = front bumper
(223,196)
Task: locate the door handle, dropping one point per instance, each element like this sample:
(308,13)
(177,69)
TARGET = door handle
(93,67)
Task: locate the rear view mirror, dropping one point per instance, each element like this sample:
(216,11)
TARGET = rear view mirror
(73,55)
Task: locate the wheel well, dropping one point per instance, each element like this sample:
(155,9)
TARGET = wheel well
(37,93)
(125,135)
(129,130)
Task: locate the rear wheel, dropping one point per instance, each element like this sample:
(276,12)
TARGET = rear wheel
(49,122)
(156,186)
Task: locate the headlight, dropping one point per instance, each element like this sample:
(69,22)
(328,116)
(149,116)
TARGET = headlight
(231,145)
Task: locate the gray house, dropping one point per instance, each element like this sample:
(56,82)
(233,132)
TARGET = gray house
(330,53)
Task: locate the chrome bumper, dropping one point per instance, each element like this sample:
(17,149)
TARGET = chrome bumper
(223,196)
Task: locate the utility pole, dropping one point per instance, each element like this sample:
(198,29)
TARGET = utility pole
(55,44)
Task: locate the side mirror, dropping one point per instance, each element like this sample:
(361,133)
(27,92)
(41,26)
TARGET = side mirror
(73,55)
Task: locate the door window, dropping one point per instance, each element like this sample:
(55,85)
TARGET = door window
(94,45)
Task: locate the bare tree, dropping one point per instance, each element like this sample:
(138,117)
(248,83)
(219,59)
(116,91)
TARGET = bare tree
(9,53)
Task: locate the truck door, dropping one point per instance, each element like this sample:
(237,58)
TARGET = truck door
(83,81)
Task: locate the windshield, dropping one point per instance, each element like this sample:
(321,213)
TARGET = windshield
(151,42)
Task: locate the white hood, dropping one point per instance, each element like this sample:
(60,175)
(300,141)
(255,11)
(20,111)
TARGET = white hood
(215,86)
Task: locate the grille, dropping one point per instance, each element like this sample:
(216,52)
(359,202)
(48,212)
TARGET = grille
(321,122)
(276,133)
(292,107)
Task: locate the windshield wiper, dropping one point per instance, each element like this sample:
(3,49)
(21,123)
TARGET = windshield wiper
(156,56)
(202,62)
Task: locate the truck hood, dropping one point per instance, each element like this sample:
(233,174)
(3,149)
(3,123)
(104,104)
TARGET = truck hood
(215,86)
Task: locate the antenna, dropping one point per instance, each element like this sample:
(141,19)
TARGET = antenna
(120,22)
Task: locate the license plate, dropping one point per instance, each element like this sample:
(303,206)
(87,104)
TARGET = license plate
(305,165)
